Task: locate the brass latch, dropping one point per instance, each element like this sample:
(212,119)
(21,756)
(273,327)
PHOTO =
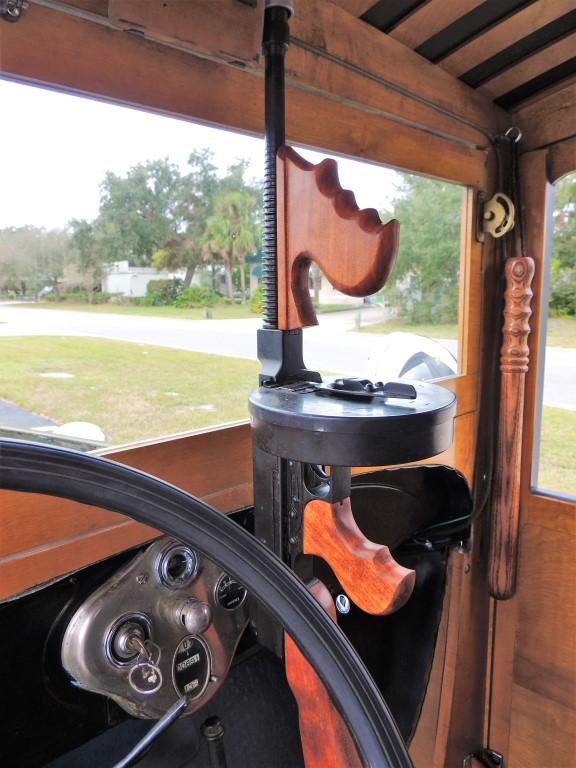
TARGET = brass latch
(495,216)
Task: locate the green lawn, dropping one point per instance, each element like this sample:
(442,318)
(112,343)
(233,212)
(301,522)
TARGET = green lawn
(561,330)
(219,312)
(132,391)
(557,468)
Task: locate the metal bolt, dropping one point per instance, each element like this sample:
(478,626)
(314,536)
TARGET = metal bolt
(342,604)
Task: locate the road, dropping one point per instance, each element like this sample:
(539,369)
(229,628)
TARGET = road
(331,346)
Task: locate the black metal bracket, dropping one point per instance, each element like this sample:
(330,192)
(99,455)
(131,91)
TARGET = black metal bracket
(487,757)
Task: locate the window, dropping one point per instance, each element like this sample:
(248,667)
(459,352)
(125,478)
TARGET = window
(554,465)
(130,251)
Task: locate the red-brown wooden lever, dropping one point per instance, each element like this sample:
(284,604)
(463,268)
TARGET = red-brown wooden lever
(326,741)
(371,577)
(319,221)
(514,358)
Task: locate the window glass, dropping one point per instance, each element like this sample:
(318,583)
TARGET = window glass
(554,468)
(130,269)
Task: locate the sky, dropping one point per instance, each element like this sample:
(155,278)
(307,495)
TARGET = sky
(62,145)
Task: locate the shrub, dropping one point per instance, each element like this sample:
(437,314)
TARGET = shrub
(196,296)
(257,300)
(563,292)
(162,292)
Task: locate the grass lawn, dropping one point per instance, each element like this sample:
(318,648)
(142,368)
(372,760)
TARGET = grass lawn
(132,391)
(218,312)
(561,330)
(557,468)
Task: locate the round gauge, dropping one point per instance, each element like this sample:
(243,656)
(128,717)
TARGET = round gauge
(191,667)
(230,594)
(177,566)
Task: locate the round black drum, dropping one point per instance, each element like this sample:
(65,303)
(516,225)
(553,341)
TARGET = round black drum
(326,424)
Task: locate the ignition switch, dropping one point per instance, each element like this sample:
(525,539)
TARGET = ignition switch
(120,644)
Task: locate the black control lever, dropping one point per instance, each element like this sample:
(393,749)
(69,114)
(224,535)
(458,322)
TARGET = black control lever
(366,389)
(157,729)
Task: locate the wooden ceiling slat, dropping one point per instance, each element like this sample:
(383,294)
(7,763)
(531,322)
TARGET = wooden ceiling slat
(531,67)
(327,29)
(548,118)
(355,7)
(506,33)
(429,19)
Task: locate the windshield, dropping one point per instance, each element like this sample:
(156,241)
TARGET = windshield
(131,267)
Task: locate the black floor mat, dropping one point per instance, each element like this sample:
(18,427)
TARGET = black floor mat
(257,710)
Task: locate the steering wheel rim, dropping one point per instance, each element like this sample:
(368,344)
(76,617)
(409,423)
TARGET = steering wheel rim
(48,470)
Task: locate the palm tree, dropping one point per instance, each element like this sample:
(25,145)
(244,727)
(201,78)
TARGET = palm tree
(232,233)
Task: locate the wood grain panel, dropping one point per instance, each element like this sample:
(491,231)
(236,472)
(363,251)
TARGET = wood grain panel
(226,28)
(43,537)
(504,34)
(428,19)
(33,567)
(546,621)
(548,119)
(548,512)
(327,28)
(348,85)
(531,67)
(88,58)
(561,160)
(542,732)
(355,7)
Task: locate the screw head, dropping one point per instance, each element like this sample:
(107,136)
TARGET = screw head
(343,604)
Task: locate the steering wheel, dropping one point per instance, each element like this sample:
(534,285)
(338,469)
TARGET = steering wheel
(35,468)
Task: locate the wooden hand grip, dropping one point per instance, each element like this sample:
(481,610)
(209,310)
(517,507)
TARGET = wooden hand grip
(326,741)
(319,221)
(514,357)
(371,577)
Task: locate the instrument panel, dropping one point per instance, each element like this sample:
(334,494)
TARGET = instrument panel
(165,625)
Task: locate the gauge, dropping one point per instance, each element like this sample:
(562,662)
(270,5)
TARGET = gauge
(191,667)
(230,594)
(177,566)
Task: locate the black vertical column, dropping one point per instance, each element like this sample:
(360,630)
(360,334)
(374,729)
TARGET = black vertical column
(275,42)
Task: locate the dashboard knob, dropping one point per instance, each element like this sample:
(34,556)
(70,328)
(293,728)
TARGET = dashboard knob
(194,615)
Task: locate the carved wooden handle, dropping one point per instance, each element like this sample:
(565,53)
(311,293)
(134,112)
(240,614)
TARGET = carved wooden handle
(514,357)
(319,221)
(326,741)
(373,580)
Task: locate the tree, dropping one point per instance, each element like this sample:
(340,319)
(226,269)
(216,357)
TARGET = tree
(31,257)
(425,277)
(87,253)
(140,212)
(52,256)
(17,248)
(232,233)
(183,249)
(563,265)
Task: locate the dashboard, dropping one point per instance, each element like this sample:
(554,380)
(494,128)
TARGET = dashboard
(165,625)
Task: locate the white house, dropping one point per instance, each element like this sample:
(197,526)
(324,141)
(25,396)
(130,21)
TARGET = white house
(121,278)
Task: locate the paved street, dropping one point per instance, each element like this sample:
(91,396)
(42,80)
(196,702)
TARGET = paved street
(332,346)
